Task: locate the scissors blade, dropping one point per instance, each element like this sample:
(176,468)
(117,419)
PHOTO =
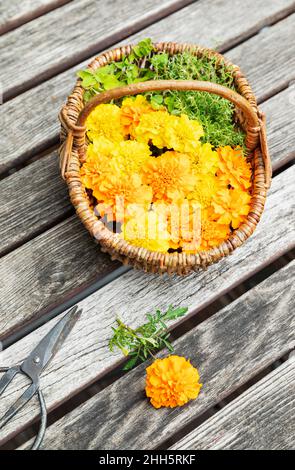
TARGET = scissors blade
(50,344)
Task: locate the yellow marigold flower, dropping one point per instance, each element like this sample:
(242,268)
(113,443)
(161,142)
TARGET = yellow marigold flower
(206,186)
(152,128)
(231,206)
(148,230)
(183,134)
(213,233)
(171,382)
(169,176)
(131,111)
(116,192)
(205,161)
(127,156)
(174,132)
(234,168)
(105,120)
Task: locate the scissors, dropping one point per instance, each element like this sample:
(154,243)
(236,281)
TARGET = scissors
(33,366)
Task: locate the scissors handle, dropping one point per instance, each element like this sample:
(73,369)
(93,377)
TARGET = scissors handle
(10,373)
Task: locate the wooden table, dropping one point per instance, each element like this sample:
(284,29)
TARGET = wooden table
(241,341)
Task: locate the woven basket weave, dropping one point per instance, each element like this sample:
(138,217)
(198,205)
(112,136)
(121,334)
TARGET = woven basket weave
(73,150)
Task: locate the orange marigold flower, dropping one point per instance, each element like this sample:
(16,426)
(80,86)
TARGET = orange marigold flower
(171,382)
(231,206)
(131,111)
(169,176)
(213,233)
(116,192)
(234,168)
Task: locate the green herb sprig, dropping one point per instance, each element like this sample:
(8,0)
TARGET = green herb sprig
(144,341)
(130,69)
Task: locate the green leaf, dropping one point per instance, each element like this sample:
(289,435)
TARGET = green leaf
(110,81)
(87,77)
(143,48)
(156,101)
(160,60)
(131,363)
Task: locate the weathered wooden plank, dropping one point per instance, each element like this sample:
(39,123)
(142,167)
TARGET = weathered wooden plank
(80,29)
(14,13)
(129,297)
(120,417)
(32,200)
(47,272)
(262,418)
(26,112)
(265,47)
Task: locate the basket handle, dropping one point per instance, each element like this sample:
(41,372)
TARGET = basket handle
(254,124)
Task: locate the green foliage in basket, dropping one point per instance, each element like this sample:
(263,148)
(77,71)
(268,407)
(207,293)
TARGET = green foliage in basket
(215,113)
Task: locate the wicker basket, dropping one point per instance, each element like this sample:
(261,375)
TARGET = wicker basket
(73,149)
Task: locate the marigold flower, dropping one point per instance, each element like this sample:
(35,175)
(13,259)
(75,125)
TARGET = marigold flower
(205,160)
(169,176)
(165,130)
(105,120)
(213,233)
(231,206)
(131,111)
(115,192)
(183,134)
(206,186)
(152,128)
(148,230)
(233,167)
(171,382)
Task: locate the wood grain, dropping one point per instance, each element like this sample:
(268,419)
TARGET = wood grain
(259,325)
(14,13)
(22,114)
(80,29)
(32,199)
(85,356)
(262,418)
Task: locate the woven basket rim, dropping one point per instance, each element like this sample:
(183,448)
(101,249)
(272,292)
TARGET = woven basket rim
(119,248)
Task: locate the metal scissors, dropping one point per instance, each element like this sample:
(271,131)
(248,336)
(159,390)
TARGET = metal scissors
(33,366)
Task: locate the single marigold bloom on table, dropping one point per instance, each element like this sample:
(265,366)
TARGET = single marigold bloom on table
(169,176)
(233,167)
(131,111)
(231,206)
(172,382)
(105,120)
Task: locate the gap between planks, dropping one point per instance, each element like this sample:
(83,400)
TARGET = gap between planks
(110,22)
(120,417)
(262,418)
(85,357)
(15,13)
